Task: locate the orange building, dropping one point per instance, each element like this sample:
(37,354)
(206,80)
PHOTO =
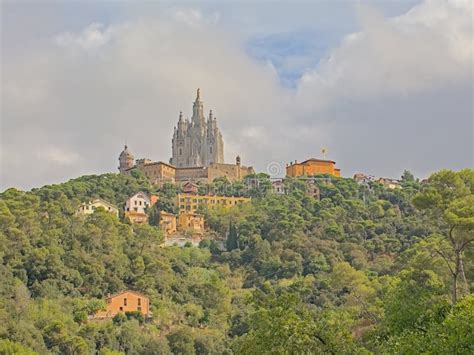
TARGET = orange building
(167,223)
(191,222)
(125,301)
(312,167)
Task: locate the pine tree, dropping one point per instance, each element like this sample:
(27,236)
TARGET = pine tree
(232,238)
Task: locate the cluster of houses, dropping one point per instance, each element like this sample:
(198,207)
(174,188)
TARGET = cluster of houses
(364,179)
(186,226)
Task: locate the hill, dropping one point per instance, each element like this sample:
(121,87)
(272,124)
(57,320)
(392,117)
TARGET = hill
(363,269)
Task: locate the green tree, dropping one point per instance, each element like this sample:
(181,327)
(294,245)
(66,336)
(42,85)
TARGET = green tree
(449,197)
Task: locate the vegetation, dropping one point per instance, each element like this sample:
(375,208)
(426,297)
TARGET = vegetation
(363,270)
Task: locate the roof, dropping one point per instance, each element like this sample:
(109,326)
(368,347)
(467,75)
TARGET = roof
(317,160)
(139,192)
(100,200)
(190,183)
(127,291)
(166,213)
(160,162)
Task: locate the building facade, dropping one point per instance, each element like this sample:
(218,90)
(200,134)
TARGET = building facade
(189,203)
(167,223)
(197,142)
(136,208)
(89,207)
(125,301)
(192,223)
(312,167)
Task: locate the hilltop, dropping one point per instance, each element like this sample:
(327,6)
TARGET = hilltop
(360,268)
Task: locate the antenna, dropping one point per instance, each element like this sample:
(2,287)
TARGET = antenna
(323,152)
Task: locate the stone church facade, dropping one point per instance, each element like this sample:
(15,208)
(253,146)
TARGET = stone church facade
(197,154)
(197,142)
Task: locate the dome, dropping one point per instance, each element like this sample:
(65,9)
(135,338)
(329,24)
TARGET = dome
(125,154)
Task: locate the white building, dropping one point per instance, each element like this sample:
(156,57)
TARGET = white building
(138,203)
(89,207)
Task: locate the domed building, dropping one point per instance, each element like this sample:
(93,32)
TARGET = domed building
(126,160)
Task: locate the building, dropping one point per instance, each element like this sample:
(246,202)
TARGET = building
(126,160)
(197,154)
(89,207)
(278,187)
(190,203)
(390,183)
(136,207)
(167,223)
(190,188)
(312,167)
(363,179)
(233,172)
(197,142)
(158,173)
(125,301)
(192,223)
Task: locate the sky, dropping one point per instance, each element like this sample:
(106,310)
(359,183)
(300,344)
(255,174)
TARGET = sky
(384,86)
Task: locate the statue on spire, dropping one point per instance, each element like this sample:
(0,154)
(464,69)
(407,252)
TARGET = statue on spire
(198,96)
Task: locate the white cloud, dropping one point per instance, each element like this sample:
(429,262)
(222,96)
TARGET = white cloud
(58,156)
(397,94)
(93,36)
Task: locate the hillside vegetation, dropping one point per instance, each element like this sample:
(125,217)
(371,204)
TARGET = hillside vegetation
(363,270)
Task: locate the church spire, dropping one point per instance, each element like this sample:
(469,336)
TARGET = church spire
(198,110)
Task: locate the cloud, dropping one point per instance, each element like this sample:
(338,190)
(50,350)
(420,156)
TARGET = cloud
(396,94)
(58,156)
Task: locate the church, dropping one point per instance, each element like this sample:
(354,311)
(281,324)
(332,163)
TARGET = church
(197,153)
(197,143)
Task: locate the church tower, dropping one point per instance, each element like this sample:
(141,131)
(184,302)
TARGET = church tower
(197,143)
(126,160)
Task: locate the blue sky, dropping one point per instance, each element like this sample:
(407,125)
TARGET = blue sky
(383,85)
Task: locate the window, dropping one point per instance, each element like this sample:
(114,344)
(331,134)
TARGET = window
(135,202)
(139,301)
(124,301)
(121,308)
(180,151)
(140,203)
(210,150)
(135,209)
(139,308)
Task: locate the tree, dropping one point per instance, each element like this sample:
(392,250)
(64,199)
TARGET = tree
(232,238)
(449,198)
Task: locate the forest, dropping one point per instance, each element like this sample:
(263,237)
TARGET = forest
(362,270)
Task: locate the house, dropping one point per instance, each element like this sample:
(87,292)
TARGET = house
(363,179)
(312,167)
(390,183)
(278,187)
(136,207)
(125,301)
(167,223)
(190,203)
(190,188)
(191,223)
(89,207)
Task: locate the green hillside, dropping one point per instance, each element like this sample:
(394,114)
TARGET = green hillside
(363,270)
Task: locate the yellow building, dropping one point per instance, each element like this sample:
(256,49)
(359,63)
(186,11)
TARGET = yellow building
(167,223)
(89,207)
(312,167)
(190,203)
(191,223)
(125,301)
(157,172)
